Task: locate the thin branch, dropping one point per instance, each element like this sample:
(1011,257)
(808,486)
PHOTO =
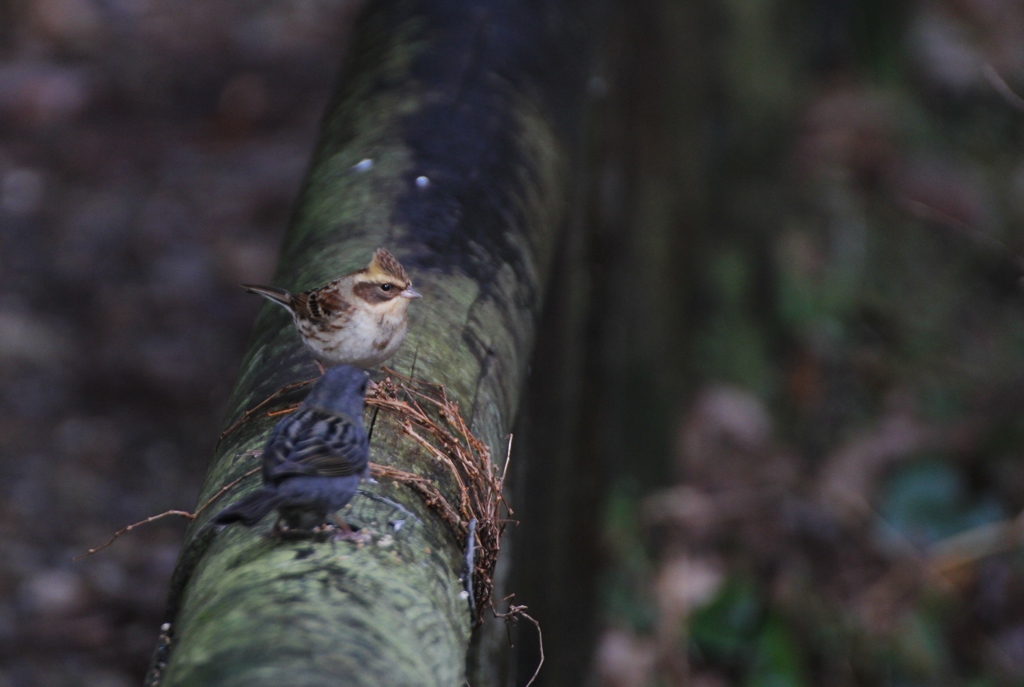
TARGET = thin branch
(540,644)
(508,457)
(249,413)
(183,513)
(977,543)
(129,528)
(514,613)
(227,487)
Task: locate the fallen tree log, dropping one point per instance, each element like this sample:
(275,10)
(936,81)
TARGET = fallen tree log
(450,141)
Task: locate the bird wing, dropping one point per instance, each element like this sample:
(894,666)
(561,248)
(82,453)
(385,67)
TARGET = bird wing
(322,305)
(314,443)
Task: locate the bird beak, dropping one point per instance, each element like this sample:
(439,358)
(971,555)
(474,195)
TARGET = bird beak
(410,293)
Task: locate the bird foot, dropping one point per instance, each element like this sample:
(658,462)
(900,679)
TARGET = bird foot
(283,532)
(358,537)
(345,532)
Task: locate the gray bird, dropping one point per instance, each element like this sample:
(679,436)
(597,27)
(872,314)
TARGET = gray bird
(314,459)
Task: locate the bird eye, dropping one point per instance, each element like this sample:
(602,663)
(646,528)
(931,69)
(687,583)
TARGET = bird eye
(385,287)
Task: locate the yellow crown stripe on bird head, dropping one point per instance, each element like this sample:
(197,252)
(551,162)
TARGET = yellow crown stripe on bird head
(385,266)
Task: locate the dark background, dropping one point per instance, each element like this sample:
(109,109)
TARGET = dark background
(150,154)
(802,224)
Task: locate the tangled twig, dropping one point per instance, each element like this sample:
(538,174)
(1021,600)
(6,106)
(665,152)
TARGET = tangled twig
(515,612)
(426,415)
(262,404)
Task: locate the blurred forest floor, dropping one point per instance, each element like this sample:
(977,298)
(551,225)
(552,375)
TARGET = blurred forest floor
(150,153)
(848,443)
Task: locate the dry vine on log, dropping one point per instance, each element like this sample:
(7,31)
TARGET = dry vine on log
(431,419)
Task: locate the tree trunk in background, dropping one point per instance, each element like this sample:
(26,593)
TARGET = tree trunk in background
(451,142)
(607,373)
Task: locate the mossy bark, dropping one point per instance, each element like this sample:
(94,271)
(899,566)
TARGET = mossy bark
(449,142)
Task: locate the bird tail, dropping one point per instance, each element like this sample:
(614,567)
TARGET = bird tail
(271,293)
(249,510)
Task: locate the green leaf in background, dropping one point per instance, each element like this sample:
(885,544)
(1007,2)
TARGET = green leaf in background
(724,627)
(927,501)
(625,594)
(732,346)
(778,661)
(921,644)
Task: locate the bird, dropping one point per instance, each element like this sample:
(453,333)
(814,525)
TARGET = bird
(360,319)
(314,459)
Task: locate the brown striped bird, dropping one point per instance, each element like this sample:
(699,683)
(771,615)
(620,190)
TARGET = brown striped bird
(360,319)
